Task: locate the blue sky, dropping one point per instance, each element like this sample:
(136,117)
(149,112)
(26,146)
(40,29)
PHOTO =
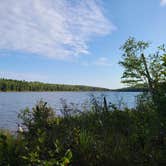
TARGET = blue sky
(76,41)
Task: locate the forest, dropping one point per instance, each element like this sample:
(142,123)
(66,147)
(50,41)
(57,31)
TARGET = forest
(104,134)
(16,85)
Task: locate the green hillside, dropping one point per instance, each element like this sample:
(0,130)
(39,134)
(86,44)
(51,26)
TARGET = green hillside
(17,85)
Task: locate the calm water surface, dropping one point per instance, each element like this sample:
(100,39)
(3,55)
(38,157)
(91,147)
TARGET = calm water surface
(12,102)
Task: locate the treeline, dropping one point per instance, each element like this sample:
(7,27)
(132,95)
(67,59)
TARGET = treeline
(17,85)
(136,88)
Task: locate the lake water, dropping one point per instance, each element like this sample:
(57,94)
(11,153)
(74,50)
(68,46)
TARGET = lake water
(12,102)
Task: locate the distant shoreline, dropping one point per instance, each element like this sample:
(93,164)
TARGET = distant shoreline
(118,90)
(56,91)
(9,85)
(131,89)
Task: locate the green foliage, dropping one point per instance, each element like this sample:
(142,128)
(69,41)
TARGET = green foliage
(15,85)
(140,68)
(100,136)
(41,146)
(148,70)
(10,149)
(164,62)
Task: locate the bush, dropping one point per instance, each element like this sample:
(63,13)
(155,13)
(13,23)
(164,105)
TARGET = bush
(100,136)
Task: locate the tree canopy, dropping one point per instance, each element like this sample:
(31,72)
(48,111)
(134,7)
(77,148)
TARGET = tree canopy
(142,67)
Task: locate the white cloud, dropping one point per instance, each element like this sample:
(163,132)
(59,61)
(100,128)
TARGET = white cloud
(54,28)
(163,2)
(103,61)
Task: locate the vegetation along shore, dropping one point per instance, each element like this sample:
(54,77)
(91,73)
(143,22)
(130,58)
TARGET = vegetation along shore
(103,135)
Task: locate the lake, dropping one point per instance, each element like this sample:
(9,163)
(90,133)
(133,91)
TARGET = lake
(12,102)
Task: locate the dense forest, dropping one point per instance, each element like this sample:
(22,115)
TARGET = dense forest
(16,85)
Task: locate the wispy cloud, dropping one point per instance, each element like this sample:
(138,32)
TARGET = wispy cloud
(102,61)
(163,2)
(53,28)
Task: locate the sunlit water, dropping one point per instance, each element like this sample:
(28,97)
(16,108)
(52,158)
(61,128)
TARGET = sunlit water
(12,102)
